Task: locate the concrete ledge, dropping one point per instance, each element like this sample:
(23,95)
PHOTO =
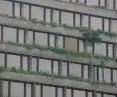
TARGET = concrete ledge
(49,54)
(74,7)
(58,82)
(47,28)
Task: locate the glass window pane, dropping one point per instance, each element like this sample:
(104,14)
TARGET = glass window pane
(52,40)
(77,22)
(110,4)
(41,39)
(56,16)
(2,59)
(25,63)
(47,15)
(34,64)
(13,61)
(9,34)
(29,37)
(55,67)
(92,2)
(110,50)
(71,43)
(6,7)
(85,21)
(5,88)
(96,23)
(45,65)
(79,93)
(81,46)
(37,13)
(106,25)
(17,9)
(100,49)
(107,75)
(38,90)
(114,26)
(26,11)
(75,69)
(21,36)
(102,3)
(60,42)
(17,89)
(28,90)
(67,18)
(48,91)
(64,68)
(115,76)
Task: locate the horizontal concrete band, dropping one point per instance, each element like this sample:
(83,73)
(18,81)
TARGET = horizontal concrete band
(47,28)
(58,82)
(74,7)
(48,54)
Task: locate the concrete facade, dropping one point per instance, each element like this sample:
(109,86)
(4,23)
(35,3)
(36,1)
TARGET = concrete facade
(95,14)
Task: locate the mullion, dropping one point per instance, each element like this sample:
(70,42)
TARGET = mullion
(21,62)
(21,6)
(74,19)
(106,49)
(67,69)
(9,89)
(56,91)
(37,64)
(52,66)
(51,15)
(34,37)
(2,33)
(82,71)
(60,16)
(30,12)
(44,14)
(13,8)
(41,90)
(17,35)
(111,75)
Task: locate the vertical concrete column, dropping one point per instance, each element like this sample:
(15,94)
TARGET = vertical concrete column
(25,36)
(114,50)
(64,92)
(85,46)
(56,41)
(1,88)
(29,63)
(60,63)
(33,90)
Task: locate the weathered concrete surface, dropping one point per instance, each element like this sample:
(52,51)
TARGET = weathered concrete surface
(75,7)
(58,82)
(49,54)
(47,28)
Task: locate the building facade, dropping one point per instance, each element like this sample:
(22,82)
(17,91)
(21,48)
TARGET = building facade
(43,52)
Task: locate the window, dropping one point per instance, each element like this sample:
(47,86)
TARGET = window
(96,23)
(26,11)
(45,65)
(52,40)
(64,68)
(113,26)
(17,9)
(47,15)
(100,49)
(71,43)
(92,2)
(17,89)
(85,21)
(9,34)
(56,16)
(78,93)
(41,39)
(37,13)
(48,91)
(25,63)
(75,69)
(29,37)
(28,90)
(21,36)
(34,64)
(5,88)
(67,16)
(6,7)
(13,61)
(2,59)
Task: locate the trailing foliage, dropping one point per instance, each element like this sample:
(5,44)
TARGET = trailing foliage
(54,75)
(53,24)
(60,51)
